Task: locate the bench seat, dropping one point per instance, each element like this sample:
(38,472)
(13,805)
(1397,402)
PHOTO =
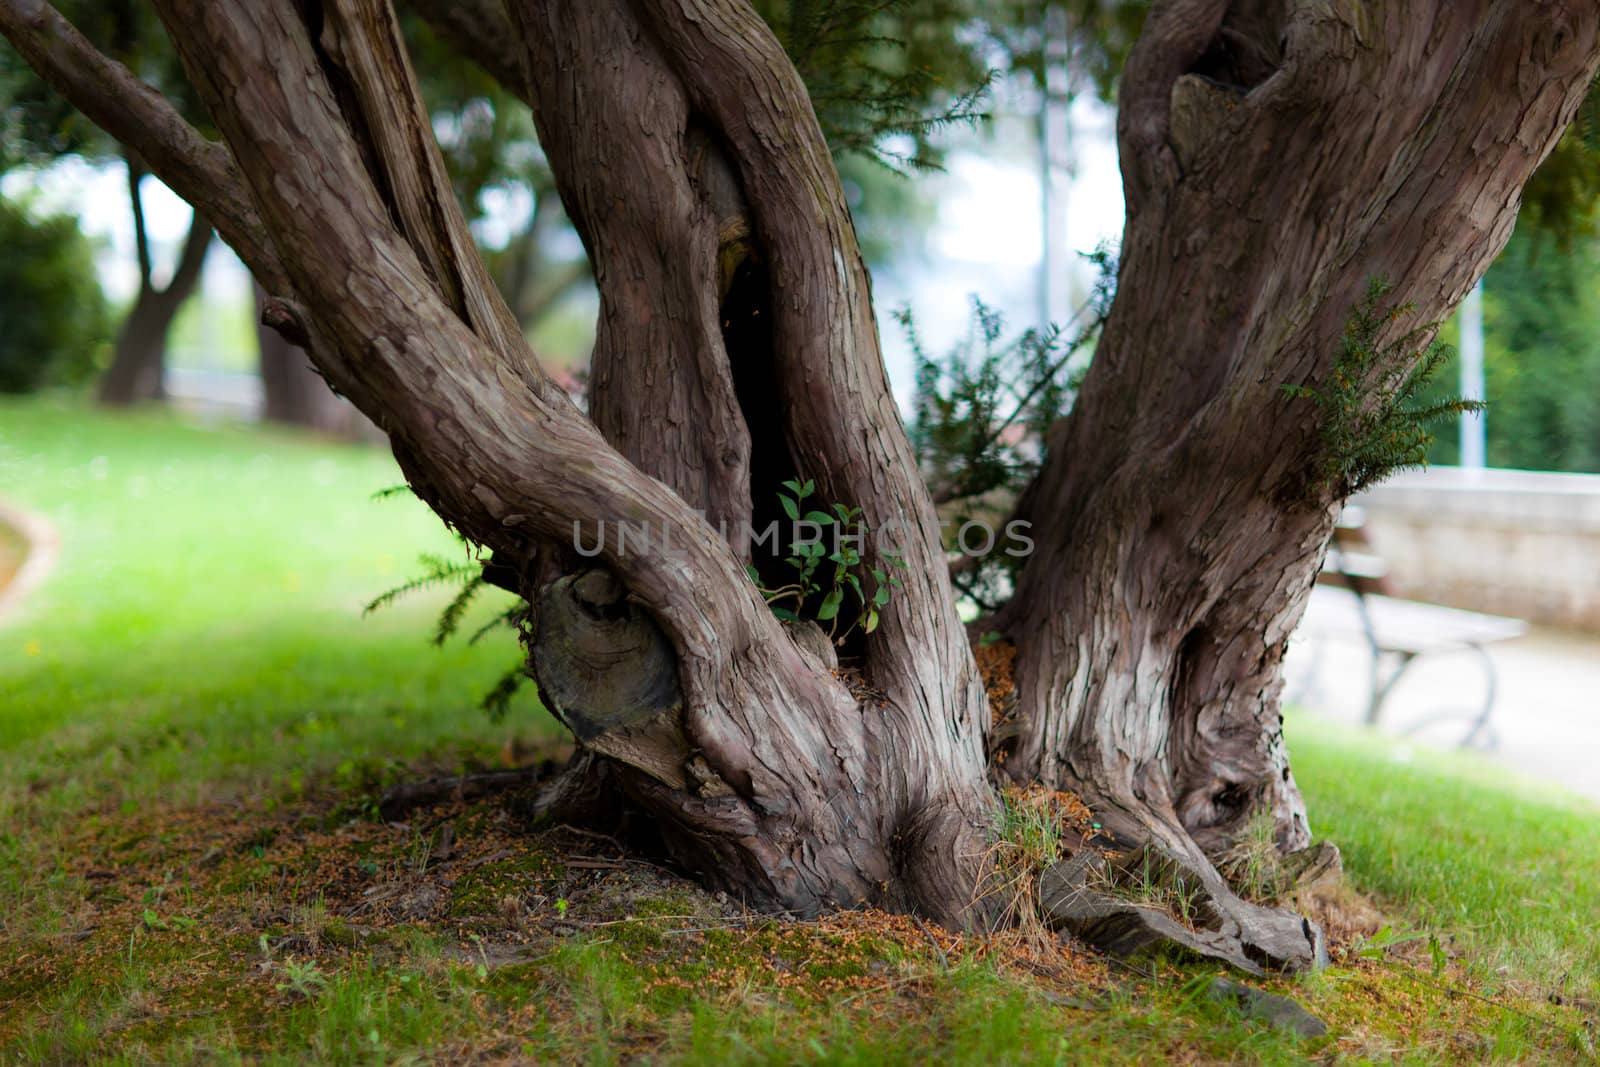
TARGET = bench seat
(1407,626)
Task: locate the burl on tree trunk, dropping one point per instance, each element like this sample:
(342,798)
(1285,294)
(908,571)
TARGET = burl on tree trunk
(1276,158)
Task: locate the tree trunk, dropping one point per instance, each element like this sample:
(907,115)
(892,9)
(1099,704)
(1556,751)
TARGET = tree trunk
(139,357)
(771,777)
(1273,165)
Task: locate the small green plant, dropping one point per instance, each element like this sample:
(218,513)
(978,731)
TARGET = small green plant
(983,411)
(1380,944)
(301,978)
(1370,419)
(835,575)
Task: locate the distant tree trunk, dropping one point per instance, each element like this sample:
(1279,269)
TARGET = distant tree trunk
(532,282)
(1273,163)
(293,393)
(139,357)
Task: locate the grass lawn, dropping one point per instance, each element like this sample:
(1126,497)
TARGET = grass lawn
(195,719)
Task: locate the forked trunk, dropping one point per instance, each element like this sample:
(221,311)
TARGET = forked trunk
(138,360)
(768,774)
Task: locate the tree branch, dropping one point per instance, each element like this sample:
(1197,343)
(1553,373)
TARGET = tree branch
(363,38)
(141,235)
(113,98)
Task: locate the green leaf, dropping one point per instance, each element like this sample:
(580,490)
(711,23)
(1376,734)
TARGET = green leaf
(881,596)
(821,518)
(805,490)
(830,605)
(792,486)
(872,621)
(790,508)
(785,615)
(154,921)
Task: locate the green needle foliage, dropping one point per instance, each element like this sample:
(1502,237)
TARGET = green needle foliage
(1370,417)
(983,411)
(468,575)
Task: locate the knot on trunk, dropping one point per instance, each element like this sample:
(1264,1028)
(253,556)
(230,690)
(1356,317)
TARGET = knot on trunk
(606,670)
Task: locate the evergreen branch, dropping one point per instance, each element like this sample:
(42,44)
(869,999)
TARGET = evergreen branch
(497,701)
(506,618)
(450,617)
(439,572)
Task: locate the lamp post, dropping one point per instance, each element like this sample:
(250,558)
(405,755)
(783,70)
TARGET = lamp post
(1472,436)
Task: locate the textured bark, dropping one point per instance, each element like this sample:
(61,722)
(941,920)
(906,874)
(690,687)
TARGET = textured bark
(790,374)
(139,358)
(610,112)
(1180,519)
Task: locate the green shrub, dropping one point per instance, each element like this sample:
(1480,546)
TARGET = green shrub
(54,322)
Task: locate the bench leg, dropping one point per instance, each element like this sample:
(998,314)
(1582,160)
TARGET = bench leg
(1480,724)
(1381,686)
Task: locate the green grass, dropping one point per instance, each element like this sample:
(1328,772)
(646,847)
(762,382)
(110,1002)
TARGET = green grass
(205,620)
(1509,868)
(192,712)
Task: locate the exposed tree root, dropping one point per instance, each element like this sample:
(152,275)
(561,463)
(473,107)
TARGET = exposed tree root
(398,801)
(1144,900)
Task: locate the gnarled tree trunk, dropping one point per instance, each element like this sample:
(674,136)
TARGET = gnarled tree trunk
(1276,155)
(1277,159)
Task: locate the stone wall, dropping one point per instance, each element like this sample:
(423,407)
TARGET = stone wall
(1506,542)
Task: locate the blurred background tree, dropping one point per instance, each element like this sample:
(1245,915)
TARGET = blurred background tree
(54,323)
(40,129)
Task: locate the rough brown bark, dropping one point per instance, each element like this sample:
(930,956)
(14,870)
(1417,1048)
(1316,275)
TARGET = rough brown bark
(1274,164)
(139,356)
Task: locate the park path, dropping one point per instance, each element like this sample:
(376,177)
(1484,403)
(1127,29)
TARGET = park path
(29,548)
(1546,716)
